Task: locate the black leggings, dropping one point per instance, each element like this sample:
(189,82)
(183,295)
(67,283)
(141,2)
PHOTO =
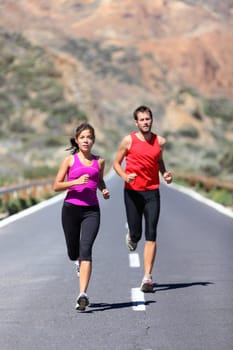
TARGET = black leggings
(80,225)
(139,204)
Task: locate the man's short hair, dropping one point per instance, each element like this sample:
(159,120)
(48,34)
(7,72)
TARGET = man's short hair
(142,109)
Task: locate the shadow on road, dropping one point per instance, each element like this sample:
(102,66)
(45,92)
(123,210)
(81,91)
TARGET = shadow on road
(95,307)
(168,286)
(105,306)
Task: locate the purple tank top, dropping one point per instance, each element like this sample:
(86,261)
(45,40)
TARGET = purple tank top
(85,194)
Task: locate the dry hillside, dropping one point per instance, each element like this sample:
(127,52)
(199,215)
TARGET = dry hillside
(109,56)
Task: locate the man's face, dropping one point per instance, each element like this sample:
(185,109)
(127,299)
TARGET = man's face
(144,122)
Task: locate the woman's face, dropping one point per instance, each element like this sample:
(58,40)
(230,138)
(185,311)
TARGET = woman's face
(85,140)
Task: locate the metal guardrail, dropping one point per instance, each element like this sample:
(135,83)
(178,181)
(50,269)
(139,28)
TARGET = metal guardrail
(207,182)
(35,187)
(39,188)
(25,190)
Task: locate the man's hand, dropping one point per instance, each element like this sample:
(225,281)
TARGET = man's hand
(130,177)
(167,177)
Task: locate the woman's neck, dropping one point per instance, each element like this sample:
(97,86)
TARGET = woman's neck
(85,155)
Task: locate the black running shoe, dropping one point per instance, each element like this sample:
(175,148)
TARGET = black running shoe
(130,244)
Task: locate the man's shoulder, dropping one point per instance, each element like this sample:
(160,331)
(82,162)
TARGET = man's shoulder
(126,141)
(127,137)
(161,140)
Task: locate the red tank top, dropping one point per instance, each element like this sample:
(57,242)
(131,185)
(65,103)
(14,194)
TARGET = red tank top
(142,158)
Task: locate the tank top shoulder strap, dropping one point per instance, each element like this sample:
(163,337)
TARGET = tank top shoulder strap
(155,139)
(95,161)
(133,136)
(76,159)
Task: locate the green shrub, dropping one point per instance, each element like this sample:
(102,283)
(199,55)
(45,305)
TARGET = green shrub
(14,206)
(6,181)
(39,172)
(226,160)
(3,208)
(6,106)
(219,107)
(27,202)
(18,126)
(190,132)
(210,168)
(64,113)
(181,182)
(222,196)
(54,142)
(189,90)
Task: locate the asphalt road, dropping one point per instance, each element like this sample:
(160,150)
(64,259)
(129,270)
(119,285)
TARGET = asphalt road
(191,309)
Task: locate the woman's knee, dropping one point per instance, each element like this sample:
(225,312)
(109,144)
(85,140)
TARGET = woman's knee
(86,252)
(73,256)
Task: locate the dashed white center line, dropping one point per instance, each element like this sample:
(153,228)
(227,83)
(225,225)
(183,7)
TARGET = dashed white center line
(137,296)
(138,299)
(134,260)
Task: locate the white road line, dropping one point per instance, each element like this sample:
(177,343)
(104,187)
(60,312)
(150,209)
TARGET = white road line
(137,296)
(134,260)
(138,299)
(190,192)
(31,210)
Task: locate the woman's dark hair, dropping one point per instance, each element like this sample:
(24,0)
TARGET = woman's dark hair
(142,109)
(84,126)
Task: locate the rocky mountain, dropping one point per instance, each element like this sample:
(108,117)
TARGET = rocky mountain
(109,56)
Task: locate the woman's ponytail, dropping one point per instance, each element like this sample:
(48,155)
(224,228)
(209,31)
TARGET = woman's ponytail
(74,146)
